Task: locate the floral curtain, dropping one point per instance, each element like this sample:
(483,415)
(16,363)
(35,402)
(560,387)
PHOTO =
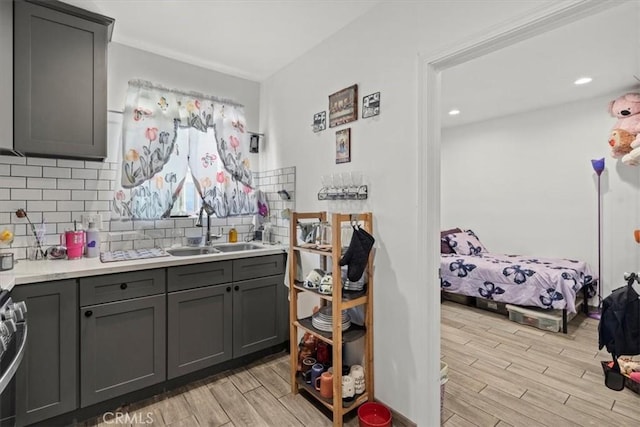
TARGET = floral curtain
(166,133)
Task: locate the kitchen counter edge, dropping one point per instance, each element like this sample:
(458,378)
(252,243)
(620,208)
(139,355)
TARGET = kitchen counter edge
(27,272)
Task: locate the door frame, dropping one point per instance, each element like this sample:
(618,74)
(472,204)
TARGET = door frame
(430,68)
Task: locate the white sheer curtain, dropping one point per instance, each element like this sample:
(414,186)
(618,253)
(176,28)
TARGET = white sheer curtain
(167,132)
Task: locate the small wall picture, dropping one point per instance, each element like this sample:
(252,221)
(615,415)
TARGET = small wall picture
(343,106)
(320,121)
(343,146)
(371,105)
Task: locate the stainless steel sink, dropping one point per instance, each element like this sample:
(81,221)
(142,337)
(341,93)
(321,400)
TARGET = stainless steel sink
(226,247)
(192,251)
(236,247)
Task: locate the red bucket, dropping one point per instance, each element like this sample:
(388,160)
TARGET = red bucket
(373,414)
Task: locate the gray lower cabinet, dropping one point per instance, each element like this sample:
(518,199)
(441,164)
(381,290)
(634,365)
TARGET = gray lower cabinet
(259,311)
(47,380)
(122,347)
(199,329)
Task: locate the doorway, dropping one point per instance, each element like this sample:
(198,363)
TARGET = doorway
(430,69)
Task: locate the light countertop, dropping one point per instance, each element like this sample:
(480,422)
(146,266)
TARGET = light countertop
(26,271)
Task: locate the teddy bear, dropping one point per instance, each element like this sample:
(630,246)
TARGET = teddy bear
(620,141)
(626,109)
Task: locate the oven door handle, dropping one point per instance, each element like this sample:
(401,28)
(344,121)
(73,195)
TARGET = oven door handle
(13,367)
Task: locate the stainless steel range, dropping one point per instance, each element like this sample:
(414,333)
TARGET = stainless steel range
(13,338)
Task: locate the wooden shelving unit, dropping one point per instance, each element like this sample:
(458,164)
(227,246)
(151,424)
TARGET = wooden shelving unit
(339,300)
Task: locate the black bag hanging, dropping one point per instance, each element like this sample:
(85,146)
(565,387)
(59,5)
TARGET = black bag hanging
(619,328)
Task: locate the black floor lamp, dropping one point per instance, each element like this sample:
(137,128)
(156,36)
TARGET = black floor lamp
(598,167)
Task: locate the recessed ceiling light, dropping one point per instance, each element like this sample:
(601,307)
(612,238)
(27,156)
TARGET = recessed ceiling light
(454,112)
(583,81)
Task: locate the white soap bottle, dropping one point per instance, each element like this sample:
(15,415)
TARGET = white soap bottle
(92,241)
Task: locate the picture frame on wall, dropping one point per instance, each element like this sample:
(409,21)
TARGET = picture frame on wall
(343,146)
(371,105)
(343,106)
(319,121)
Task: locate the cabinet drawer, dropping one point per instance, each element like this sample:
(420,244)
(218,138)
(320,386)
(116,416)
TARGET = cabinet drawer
(251,268)
(198,275)
(121,286)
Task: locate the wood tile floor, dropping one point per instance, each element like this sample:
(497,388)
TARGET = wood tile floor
(502,373)
(257,396)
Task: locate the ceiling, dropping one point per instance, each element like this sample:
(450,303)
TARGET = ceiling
(539,72)
(246,38)
(255,38)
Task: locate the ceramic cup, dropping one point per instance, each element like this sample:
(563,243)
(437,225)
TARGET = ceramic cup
(307,363)
(348,388)
(316,371)
(312,281)
(324,384)
(357,373)
(326,285)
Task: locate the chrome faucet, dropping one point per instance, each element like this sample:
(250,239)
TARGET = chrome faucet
(209,237)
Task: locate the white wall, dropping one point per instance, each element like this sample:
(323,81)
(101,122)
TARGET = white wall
(127,63)
(524,183)
(379,52)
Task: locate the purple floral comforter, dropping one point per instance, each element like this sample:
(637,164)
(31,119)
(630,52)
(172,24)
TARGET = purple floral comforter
(516,279)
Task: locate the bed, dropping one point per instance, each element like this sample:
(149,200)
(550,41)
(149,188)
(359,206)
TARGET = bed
(469,269)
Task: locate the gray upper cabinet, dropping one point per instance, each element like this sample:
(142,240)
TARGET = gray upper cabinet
(47,380)
(60,80)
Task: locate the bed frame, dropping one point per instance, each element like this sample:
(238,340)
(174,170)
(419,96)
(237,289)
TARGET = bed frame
(464,299)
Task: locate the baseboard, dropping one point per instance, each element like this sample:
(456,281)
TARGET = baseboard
(398,419)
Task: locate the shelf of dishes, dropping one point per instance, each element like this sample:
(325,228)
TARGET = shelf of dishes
(351,333)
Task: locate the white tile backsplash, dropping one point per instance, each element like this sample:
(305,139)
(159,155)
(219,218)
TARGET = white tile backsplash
(61,195)
(41,183)
(52,172)
(19,170)
(24,194)
(84,174)
(71,184)
(36,161)
(61,191)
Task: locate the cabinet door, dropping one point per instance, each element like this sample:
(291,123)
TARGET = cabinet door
(199,329)
(122,347)
(259,308)
(46,382)
(60,83)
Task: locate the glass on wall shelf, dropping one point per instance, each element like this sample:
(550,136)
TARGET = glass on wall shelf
(344,193)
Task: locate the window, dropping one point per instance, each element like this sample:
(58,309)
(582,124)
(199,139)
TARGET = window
(188,202)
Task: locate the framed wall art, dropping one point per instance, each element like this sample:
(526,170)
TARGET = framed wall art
(320,121)
(371,105)
(343,146)
(343,106)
